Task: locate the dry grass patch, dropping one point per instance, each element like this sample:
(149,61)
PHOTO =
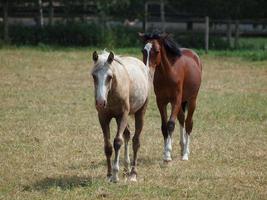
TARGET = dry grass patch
(51,146)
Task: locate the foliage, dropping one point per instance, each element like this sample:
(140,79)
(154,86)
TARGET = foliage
(235,9)
(132,9)
(222,9)
(81,34)
(117,36)
(75,34)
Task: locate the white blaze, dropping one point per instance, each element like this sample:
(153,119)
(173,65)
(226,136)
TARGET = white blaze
(148,47)
(101,93)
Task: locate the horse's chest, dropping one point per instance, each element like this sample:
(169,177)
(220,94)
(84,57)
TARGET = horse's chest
(116,105)
(165,89)
(166,93)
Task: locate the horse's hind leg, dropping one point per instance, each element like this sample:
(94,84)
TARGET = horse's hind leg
(139,122)
(181,119)
(126,136)
(188,128)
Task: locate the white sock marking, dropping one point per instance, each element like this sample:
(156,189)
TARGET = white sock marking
(167,149)
(126,157)
(186,147)
(115,168)
(184,142)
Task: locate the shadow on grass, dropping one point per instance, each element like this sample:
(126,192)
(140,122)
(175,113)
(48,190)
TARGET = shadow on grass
(63,182)
(67,182)
(141,160)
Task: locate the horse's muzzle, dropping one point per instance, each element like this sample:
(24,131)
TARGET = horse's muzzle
(100,104)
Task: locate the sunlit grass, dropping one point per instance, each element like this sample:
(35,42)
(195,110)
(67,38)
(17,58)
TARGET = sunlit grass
(51,145)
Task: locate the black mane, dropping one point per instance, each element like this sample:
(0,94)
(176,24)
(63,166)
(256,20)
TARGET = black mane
(170,45)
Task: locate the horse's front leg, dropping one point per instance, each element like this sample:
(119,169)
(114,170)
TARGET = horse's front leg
(104,122)
(118,141)
(162,106)
(175,107)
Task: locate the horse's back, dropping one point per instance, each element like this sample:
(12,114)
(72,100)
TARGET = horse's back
(136,69)
(135,65)
(191,54)
(192,73)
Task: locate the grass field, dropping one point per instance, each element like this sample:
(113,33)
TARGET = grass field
(51,145)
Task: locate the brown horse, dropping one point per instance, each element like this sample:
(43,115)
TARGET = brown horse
(177,78)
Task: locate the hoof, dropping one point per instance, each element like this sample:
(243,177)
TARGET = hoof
(132,178)
(114,179)
(109,177)
(167,158)
(185,157)
(167,161)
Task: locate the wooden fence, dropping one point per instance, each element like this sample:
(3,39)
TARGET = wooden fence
(157,15)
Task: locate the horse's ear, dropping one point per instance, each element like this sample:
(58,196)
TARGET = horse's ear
(164,35)
(95,56)
(110,57)
(141,35)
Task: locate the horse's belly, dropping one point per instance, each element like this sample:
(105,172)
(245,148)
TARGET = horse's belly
(138,97)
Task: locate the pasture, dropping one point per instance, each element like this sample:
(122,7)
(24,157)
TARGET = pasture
(51,145)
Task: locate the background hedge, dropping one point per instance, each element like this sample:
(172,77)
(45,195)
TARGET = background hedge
(82,34)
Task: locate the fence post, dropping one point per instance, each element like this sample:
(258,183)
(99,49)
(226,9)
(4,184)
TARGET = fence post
(229,32)
(51,13)
(206,34)
(146,13)
(162,15)
(5,18)
(40,14)
(236,33)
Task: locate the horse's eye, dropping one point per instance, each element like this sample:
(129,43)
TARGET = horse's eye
(109,77)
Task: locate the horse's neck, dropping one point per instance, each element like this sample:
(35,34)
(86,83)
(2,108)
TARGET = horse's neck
(120,81)
(166,64)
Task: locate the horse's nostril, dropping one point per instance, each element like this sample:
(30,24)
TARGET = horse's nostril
(100,103)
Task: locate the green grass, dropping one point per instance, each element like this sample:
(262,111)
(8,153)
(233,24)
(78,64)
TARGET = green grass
(255,43)
(51,145)
(246,54)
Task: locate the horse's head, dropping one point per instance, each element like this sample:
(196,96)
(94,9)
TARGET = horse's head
(151,50)
(102,75)
(154,43)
